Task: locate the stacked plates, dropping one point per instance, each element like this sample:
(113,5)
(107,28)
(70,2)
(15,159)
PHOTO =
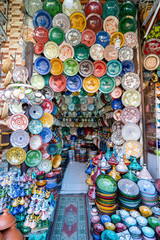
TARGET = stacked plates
(129,196)
(106,194)
(148,193)
(135,232)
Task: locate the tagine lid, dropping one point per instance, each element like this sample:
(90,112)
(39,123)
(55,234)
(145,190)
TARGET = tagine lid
(6,220)
(13,233)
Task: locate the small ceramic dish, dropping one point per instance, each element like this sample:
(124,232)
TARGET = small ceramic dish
(41,183)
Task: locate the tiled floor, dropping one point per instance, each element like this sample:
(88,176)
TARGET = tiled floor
(74,179)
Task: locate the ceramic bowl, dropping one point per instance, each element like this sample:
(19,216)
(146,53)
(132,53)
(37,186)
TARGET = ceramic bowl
(130,221)
(148,232)
(145,211)
(110,226)
(142,221)
(50,175)
(41,183)
(120,227)
(40,175)
(105,218)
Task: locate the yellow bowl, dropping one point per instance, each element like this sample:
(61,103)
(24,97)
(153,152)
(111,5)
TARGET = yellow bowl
(109,226)
(145,211)
(41,183)
(106,208)
(56,161)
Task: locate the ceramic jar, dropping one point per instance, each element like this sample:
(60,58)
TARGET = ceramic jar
(6,220)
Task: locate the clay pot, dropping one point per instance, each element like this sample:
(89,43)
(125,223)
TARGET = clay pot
(6,220)
(13,233)
(1,236)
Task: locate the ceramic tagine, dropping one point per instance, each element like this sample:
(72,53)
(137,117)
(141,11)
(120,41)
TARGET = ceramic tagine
(104,164)
(13,233)
(134,165)
(126,161)
(121,167)
(6,220)
(90,167)
(144,174)
(114,174)
(130,175)
(89,179)
(96,174)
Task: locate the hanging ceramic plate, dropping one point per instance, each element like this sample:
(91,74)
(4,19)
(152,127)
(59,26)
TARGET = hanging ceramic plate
(117,115)
(36,112)
(20,74)
(127,24)
(86,68)
(43,150)
(51,50)
(114,68)
(133,148)
(52,7)
(73,36)
(93,7)
(38,48)
(18,121)
(130,81)
(151,62)
(62,21)
(81,52)
(52,149)
(127,8)
(42,66)
(56,34)
(46,135)
(56,66)
(110,24)
(115,36)
(125,53)
(35,142)
(88,37)
(58,83)
(71,67)
(131,131)
(74,83)
(48,92)
(91,84)
(110,8)
(127,66)
(117,126)
(130,115)
(128,187)
(56,161)
(96,52)
(45,165)
(19,138)
(152,46)
(130,39)
(33,158)
(116,104)
(16,155)
(102,38)
(116,93)
(94,22)
(118,80)
(41,34)
(110,53)
(47,106)
(32,6)
(37,81)
(76,7)
(131,98)
(47,120)
(65,51)
(35,126)
(42,18)
(78,21)
(107,84)
(100,68)
(117,139)
(146,187)
(16,109)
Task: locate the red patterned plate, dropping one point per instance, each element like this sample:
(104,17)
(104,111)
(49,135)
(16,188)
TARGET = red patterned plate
(117,115)
(38,48)
(43,149)
(88,37)
(47,106)
(130,39)
(94,22)
(100,68)
(110,53)
(110,24)
(35,142)
(41,34)
(116,93)
(93,7)
(130,114)
(58,83)
(152,46)
(18,121)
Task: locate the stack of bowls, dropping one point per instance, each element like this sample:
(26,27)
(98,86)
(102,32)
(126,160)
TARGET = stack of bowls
(142,221)
(135,232)
(129,195)
(148,193)
(106,194)
(97,230)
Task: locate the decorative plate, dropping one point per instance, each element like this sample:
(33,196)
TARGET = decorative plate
(116,93)
(81,52)
(48,92)
(71,67)
(62,21)
(35,142)
(127,8)
(118,80)
(19,138)
(88,37)
(117,126)
(116,104)
(52,7)
(110,53)
(45,165)
(117,139)
(114,68)
(151,62)
(115,36)
(130,81)
(78,21)
(106,183)
(157,184)
(32,6)
(46,135)
(51,50)
(20,74)
(152,46)
(73,37)
(42,18)
(100,68)
(18,121)
(35,126)
(117,114)
(131,98)
(125,53)
(131,131)
(86,68)
(56,34)
(107,84)
(133,148)
(16,109)
(103,38)
(41,34)
(110,24)
(130,39)
(91,84)
(110,8)
(128,187)
(127,24)
(32,169)
(43,150)
(16,155)
(58,83)
(47,106)
(38,48)
(76,7)
(56,161)
(146,187)
(36,112)
(37,81)
(94,22)
(127,66)
(47,120)
(65,51)
(42,66)
(96,52)
(74,83)
(33,158)
(93,7)
(56,66)
(130,115)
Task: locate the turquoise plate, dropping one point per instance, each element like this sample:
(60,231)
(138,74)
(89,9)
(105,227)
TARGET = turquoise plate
(33,158)
(114,68)
(35,126)
(107,84)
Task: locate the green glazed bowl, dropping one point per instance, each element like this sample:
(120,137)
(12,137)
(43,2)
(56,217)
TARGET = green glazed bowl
(115,218)
(56,34)
(106,183)
(127,24)
(127,8)
(111,7)
(52,7)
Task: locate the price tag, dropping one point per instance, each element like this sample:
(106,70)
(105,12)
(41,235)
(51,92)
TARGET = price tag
(117,44)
